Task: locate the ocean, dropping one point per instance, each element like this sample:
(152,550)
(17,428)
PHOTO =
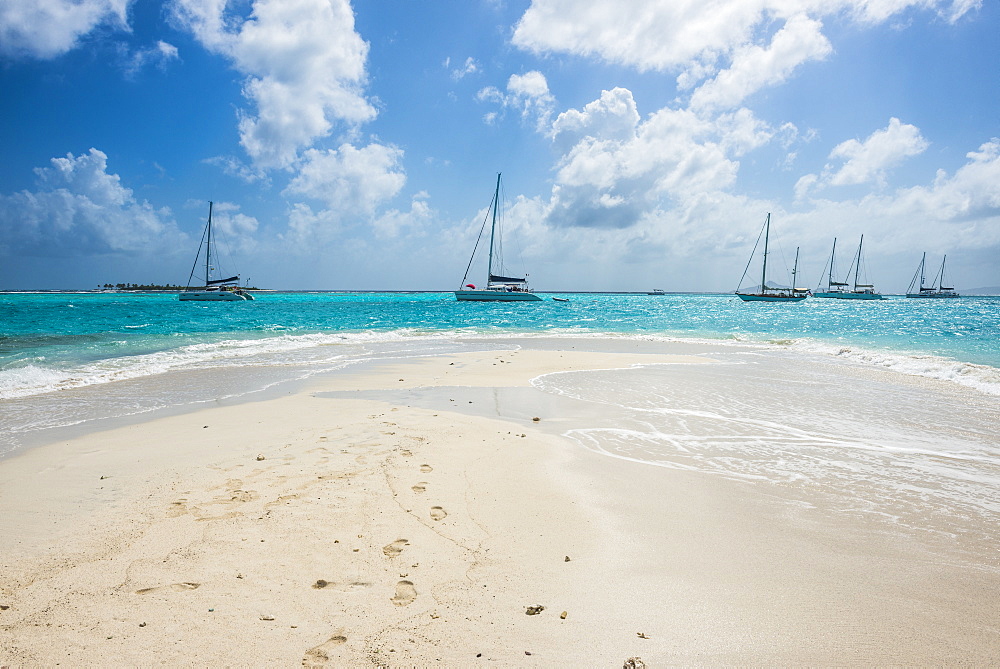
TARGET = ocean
(893,401)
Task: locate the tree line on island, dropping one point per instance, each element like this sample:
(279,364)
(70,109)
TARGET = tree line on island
(149,287)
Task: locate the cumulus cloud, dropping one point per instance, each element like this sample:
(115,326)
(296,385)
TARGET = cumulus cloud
(49,28)
(973,192)
(527,93)
(867,161)
(350,180)
(236,228)
(305,69)
(648,34)
(78,208)
(679,34)
(616,167)
(754,67)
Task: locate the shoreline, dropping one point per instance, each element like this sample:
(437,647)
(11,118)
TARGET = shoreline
(384,524)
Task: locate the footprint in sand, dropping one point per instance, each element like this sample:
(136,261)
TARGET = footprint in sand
(426,468)
(322,654)
(438,513)
(176,587)
(405,593)
(395,548)
(406,452)
(420,487)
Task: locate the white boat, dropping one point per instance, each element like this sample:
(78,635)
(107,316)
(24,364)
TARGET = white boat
(765,293)
(842,289)
(214,290)
(937,288)
(657,291)
(498,288)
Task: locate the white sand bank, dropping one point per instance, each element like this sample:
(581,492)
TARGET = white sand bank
(373,533)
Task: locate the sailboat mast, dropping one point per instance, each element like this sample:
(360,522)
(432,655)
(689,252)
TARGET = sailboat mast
(795,269)
(763,271)
(208,246)
(857,263)
(939,282)
(923,259)
(833,254)
(493,230)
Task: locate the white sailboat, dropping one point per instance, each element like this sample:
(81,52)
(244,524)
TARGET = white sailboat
(498,288)
(839,289)
(214,290)
(765,293)
(937,288)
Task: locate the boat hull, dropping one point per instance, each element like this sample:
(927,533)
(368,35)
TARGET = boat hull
(495,296)
(747,297)
(933,296)
(850,296)
(212,296)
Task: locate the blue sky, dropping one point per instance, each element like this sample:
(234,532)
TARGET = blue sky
(356,145)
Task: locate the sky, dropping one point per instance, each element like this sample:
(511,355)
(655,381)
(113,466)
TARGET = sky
(355,145)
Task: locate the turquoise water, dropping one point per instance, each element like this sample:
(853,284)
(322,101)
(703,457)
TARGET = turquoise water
(790,397)
(71,340)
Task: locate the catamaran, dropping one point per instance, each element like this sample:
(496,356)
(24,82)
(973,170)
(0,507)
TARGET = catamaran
(765,293)
(498,288)
(937,287)
(839,289)
(215,290)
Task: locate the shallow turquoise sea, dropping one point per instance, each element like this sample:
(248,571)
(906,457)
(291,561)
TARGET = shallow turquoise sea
(57,341)
(886,401)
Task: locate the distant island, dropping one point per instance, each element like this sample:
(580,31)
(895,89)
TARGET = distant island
(150,287)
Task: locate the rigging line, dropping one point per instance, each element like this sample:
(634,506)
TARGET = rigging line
(819,285)
(230,258)
(752,254)
(195,265)
(478,239)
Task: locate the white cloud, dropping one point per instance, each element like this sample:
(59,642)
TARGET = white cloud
(647,34)
(236,228)
(469,67)
(305,68)
(49,28)
(682,34)
(350,181)
(867,161)
(972,193)
(79,208)
(156,56)
(754,67)
(528,93)
(615,167)
(413,223)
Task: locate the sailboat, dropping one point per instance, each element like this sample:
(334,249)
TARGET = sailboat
(765,293)
(214,290)
(937,287)
(498,288)
(839,289)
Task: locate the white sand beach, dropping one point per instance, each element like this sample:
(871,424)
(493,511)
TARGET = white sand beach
(414,513)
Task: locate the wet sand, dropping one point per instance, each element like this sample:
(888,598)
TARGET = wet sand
(331,527)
